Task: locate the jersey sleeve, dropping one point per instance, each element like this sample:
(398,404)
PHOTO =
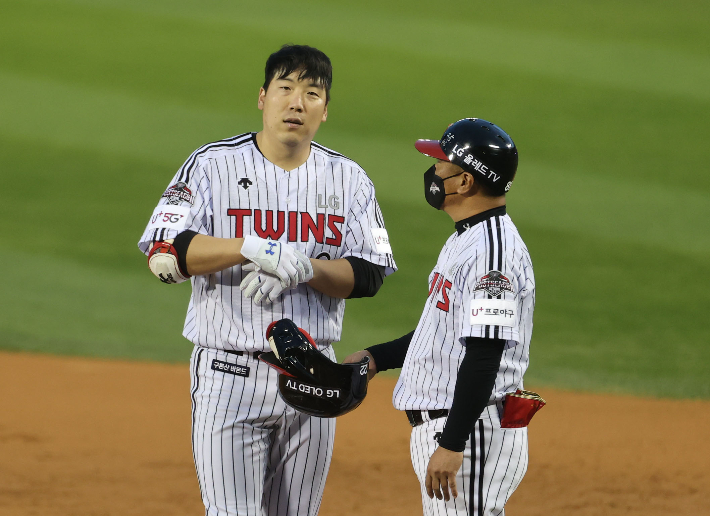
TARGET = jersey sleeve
(185,205)
(366,236)
(493,293)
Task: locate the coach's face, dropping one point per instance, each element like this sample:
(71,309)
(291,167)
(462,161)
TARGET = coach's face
(293,109)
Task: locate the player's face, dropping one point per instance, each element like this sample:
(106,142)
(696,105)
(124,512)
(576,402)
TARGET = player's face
(293,109)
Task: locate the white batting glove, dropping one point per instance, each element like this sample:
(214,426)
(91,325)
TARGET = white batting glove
(265,287)
(275,258)
(262,287)
(307,267)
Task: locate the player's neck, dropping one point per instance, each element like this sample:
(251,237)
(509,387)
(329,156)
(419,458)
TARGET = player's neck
(470,206)
(287,157)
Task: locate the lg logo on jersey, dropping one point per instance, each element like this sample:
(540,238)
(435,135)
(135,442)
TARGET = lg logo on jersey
(325,229)
(333,202)
(440,285)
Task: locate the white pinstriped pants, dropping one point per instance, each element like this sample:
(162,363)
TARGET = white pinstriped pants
(254,455)
(494,463)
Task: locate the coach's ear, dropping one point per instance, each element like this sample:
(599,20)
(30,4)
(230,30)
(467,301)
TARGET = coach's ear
(325,114)
(467,185)
(262,94)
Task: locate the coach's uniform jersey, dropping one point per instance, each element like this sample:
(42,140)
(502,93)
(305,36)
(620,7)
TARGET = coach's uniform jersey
(326,208)
(254,454)
(482,286)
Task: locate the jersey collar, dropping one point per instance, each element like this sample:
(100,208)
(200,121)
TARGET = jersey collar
(256,145)
(463,225)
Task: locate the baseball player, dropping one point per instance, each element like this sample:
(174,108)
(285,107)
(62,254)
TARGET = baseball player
(470,349)
(268,225)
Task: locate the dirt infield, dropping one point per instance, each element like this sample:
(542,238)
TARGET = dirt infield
(93,437)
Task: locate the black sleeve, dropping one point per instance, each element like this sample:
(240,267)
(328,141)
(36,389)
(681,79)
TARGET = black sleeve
(474,384)
(368,277)
(181,243)
(390,355)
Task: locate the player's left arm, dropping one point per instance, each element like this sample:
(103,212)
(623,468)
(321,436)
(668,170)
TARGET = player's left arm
(335,278)
(347,278)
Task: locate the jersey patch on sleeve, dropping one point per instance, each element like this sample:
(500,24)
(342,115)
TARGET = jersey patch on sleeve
(179,192)
(494,312)
(170,217)
(382,241)
(494,283)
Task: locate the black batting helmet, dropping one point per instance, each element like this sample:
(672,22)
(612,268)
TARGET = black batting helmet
(308,380)
(479,147)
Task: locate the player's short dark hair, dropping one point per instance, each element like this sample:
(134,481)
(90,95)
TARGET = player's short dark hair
(311,62)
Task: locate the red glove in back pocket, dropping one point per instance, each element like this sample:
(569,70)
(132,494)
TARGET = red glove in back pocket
(519,408)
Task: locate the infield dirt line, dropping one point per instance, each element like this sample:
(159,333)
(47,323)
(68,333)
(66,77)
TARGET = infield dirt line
(101,437)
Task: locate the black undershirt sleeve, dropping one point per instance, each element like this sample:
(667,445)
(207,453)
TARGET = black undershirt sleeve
(474,384)
(368,277)
(390,355)
(181,243)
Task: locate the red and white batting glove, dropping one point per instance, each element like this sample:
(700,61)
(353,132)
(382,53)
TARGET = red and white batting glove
(163,262)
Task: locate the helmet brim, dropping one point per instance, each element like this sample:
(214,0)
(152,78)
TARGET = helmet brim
(431,148)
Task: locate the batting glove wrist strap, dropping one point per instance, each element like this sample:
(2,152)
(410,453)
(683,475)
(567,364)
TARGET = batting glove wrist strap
(251,246)
(307,266)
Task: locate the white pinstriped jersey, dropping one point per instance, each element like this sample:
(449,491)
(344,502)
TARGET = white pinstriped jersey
(482,286)
(326,208)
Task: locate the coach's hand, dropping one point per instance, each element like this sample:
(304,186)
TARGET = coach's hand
(357,357)
(283,261)
(441,473)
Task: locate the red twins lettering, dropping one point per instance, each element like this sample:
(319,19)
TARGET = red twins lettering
(440,285)
(268,230)
(272,224)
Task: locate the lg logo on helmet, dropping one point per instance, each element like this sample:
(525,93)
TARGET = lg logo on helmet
(507,187)
(458,150)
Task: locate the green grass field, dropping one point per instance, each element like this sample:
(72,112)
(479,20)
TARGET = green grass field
(102,100)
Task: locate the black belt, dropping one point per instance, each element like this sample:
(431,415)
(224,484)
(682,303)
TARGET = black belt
(415,416)
(254,354)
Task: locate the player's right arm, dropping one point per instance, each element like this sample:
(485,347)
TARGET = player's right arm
(207,254)
(198,254)
(179,243)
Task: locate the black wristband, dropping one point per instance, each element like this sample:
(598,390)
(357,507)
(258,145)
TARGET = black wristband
(390,355)
(180,244)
